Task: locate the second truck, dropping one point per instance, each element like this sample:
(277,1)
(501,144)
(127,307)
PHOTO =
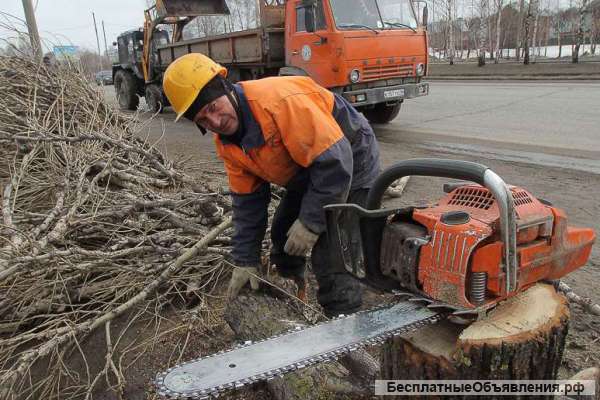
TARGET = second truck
(373,52)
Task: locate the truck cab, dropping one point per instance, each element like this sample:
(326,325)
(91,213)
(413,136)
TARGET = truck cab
(373,52)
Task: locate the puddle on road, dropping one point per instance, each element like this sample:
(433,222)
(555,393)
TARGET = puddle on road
(526,157)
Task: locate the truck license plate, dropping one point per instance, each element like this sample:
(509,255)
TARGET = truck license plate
(389,94)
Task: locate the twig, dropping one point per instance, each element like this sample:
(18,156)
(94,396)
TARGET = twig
(397,189)
(585,302)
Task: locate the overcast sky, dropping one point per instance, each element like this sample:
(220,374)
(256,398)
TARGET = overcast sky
(70,21)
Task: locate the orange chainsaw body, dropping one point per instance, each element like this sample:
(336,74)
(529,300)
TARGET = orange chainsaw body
(483,242)
(547,248)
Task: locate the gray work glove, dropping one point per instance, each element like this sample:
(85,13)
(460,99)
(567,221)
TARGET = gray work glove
(239,277)
(300,240)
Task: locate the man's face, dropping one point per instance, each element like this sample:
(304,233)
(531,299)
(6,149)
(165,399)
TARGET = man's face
(218,116)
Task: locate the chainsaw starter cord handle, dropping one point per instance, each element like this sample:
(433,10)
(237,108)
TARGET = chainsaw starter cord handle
(454,169)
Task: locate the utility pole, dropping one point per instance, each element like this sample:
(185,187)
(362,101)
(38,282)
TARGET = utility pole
(97,40)
(104,33)
(34,36)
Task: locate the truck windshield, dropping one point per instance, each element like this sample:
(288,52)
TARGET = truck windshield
(374,14)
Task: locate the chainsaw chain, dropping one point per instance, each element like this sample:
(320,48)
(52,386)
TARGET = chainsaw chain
(279,372)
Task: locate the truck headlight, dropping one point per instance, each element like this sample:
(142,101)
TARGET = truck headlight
(354,76)
(420,69)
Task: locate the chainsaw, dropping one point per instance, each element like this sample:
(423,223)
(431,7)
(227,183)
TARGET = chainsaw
(482,243)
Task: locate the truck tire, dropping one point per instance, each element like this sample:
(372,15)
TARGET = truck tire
(154,98)
(382,113)
(125,88)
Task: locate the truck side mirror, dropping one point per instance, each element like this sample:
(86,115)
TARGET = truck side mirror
(114,43)
(309,18)
(425,16)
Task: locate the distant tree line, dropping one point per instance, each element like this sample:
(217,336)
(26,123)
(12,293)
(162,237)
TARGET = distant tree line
(497,29)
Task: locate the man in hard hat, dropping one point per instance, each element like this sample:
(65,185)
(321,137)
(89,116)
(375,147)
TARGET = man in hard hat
(296,134)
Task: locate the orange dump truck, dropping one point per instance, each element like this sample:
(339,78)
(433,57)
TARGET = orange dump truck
(373,52)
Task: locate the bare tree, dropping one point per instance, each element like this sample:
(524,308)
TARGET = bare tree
(472,27)
(18,45)
(89,61)
(535,29)
(243,15)
(519,29)
(449,4)
(530,19)
(563,24)
(583,10)
(483,29)
(495,25)
(499,5)
(595,28)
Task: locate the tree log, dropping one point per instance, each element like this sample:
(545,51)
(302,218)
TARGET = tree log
(255,317)
(522,338)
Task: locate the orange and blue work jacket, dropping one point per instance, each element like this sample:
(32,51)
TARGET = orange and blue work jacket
(298,135)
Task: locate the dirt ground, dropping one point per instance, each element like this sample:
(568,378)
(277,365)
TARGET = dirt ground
(575,191)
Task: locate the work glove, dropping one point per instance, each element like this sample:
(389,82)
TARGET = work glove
(239,277)
(300,240)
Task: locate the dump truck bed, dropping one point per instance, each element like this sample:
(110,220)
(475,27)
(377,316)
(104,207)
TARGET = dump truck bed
(253,47)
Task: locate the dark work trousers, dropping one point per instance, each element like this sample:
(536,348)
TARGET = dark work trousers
(338,293)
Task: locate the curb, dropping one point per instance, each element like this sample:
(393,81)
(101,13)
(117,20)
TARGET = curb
(514,77)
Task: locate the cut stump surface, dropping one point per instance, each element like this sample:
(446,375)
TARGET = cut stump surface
(522,338)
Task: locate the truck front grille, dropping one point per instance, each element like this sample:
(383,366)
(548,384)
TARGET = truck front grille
(382,71)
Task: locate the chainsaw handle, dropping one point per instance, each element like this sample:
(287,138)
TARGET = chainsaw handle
(463,170)
(455,169)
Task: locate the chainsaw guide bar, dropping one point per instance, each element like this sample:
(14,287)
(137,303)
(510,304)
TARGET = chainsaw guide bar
(301,347)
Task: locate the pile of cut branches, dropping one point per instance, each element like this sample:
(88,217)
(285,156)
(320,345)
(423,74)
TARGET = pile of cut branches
(96,224)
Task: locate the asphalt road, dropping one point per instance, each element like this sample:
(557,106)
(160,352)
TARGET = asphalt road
(551,122)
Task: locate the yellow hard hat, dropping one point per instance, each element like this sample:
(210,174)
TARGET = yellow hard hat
(186,77)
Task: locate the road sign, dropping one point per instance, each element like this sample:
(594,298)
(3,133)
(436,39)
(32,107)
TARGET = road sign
(62,52)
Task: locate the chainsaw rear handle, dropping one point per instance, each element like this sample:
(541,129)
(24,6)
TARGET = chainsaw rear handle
(463,170)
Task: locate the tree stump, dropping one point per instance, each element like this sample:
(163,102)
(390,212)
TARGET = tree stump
(522,338)
(254,317)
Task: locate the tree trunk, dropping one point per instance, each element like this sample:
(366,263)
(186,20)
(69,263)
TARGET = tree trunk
(547,37)
(535,31)
(489,31)
(519,29)
(575,53)
(451,32)
(255,317)
(522,338)
(526,36)
(559,46)
(504,46)
(498,21)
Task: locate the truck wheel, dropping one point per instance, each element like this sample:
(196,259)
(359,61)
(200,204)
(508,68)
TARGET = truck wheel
(125,88)
(154,98)
(382,113)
